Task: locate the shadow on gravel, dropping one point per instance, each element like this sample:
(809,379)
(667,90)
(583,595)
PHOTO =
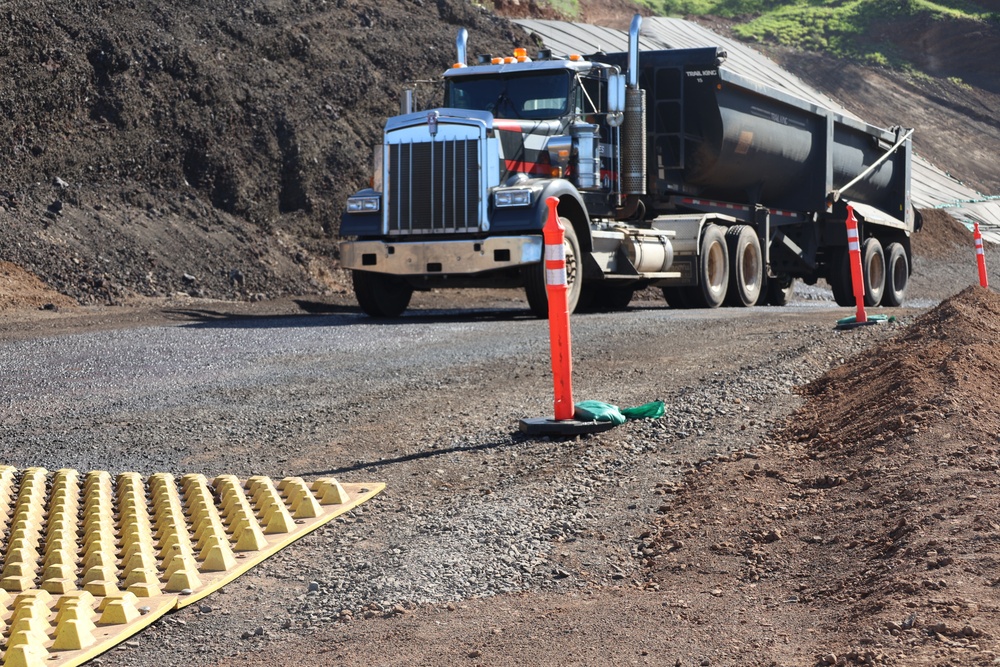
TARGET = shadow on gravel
(516,439)
(217,319)
(328,315)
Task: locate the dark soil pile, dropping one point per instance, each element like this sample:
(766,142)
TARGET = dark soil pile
(875,508)
(151,147)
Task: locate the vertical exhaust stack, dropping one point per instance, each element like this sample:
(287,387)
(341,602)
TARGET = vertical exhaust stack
(633,176)
(460,42)
(633,51)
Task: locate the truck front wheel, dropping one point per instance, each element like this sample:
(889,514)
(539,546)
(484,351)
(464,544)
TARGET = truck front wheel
(534,277)
(381,295)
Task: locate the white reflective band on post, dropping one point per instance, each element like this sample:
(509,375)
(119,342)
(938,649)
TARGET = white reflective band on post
(979,250)
(554,253)
(853,245)
(852,233)
(555,276)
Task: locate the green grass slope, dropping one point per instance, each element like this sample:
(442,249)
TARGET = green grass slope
(953,40)
(878,32)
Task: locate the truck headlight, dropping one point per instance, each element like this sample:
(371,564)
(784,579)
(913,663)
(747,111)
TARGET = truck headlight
(362,204)
(508,198)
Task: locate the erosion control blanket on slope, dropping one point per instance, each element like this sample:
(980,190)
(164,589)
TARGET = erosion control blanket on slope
(599,411)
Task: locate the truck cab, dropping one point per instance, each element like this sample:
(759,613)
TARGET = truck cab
(459,198)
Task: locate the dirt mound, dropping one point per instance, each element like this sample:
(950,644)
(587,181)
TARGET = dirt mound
(875,509)
(164,139)
(944,258)
(945,365)
(19,289)
(943,238)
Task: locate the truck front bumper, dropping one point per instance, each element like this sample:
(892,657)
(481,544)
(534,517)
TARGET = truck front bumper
(419,258)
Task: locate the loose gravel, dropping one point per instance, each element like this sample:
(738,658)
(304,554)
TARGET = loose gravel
(429,405)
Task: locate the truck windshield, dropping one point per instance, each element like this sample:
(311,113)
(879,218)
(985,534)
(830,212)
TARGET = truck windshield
(534,96)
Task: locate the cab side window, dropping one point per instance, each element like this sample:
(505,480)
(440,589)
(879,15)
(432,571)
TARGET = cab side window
(592,99)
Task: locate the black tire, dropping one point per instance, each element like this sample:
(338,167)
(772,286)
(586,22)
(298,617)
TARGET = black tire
(873,269)
(897,275)
(380,294)
(746,266)
(534,277)
(713,269)
(676,297)
(778,290)
(838,275)
(604,299)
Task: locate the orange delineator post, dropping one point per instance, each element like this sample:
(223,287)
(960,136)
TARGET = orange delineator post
(980,255)
(556,289)
(857,278)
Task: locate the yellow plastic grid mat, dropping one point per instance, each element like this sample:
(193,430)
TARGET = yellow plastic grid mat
(89,561)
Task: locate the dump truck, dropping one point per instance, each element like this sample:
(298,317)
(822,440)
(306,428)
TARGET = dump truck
(670,171)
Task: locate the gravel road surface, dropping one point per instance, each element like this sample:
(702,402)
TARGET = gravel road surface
(428,404)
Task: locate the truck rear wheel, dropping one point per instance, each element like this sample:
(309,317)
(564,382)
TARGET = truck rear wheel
(534,276)
(838,275)
(897,275)
(779,290)
(746,266)
(713,269)
(381,295)
(676,297)
(873,268)
(604,298)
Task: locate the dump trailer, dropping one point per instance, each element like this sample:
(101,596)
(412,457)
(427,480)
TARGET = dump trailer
(669,171)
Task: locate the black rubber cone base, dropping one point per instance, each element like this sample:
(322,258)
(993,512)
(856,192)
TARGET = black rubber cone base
(852,321)
(855,325)
(550,426)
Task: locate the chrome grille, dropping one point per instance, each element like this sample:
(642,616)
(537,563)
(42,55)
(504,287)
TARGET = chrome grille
(433,187)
